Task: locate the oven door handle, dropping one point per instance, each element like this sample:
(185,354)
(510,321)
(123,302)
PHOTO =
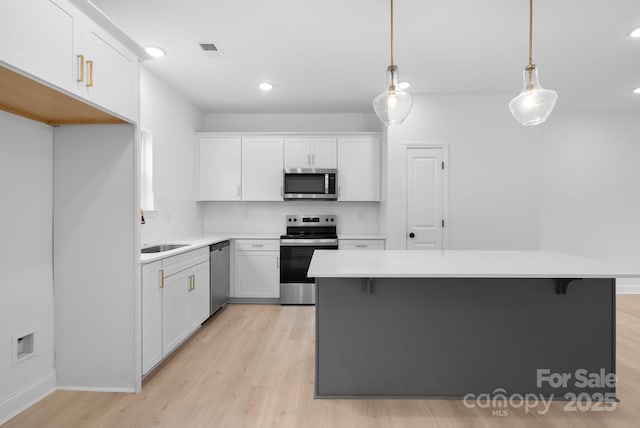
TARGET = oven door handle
(308,242)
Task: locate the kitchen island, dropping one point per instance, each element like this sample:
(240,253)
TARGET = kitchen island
(431,324)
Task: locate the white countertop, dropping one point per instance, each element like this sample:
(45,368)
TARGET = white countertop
(199,241)
(195,242)
(460,264)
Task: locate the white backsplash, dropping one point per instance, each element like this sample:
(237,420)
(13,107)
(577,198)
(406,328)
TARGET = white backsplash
(269,217)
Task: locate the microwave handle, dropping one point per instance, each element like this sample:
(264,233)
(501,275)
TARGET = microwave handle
(326,184)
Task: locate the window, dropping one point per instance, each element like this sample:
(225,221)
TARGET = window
(146,170)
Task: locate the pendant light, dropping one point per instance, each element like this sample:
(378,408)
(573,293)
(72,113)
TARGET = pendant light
(534,104)
(393,105)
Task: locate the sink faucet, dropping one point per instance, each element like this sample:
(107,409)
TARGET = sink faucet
(142,221)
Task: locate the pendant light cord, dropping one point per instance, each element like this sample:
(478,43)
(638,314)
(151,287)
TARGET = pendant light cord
(530,33)
(391,32)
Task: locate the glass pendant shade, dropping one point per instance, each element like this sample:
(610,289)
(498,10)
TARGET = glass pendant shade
(534,104)
(393,105)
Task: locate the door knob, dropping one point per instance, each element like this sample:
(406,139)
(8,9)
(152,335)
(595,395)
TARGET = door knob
(412,235)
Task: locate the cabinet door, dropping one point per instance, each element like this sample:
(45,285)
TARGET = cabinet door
(41,38)
(151,315)
(297,153)
(174,311)
(220,166)
(198,298)
(262,167)
(257,274)
(111,72)
(359,169)
(324,153)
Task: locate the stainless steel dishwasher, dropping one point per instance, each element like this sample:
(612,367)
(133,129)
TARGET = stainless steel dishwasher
(219,264)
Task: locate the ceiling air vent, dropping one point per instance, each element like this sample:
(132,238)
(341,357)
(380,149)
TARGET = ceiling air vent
(211,49)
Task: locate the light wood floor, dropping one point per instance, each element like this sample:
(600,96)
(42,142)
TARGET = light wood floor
(253,366)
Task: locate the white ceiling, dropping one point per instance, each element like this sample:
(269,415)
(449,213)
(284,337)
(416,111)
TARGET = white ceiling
(331,55)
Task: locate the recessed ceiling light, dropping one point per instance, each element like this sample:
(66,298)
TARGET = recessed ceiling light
(154,51)
(404,85)
(635,33)
(636,91)
(266,86)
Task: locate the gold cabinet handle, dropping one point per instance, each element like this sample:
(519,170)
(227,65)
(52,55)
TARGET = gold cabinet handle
(80,68)
(161,278)
(90,66)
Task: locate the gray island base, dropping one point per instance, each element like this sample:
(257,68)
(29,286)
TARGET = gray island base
(448,336)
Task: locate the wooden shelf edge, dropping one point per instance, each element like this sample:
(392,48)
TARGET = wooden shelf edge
(23,96)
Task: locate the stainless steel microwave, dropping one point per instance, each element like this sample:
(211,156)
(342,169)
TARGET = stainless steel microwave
(310,184)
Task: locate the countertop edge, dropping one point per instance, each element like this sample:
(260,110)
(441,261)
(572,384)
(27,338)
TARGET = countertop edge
(196,242)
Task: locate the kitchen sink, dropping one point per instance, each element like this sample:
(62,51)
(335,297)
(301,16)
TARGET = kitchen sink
(161,248)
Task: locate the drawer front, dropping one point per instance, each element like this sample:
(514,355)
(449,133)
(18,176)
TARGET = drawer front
(361,244)
(257,245)
(175,264)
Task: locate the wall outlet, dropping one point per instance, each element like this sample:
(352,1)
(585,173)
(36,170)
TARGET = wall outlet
(24,347)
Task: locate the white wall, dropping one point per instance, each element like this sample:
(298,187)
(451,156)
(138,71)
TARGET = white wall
(26,287)
(172,120)
(494,171)
(269,217)
(291,122)
(591,186)
(95,257)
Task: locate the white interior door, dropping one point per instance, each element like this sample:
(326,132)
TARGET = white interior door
(425,213)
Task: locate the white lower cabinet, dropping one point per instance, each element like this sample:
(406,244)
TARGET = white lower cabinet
(151,315)
(257,269)
(174,311)
(361,244)
(175,301)
(198,300)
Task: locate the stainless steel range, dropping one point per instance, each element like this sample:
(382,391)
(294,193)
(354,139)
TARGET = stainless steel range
(305,234)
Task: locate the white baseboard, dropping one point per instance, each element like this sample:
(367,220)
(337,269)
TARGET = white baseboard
(627,289)
(27,397)
(92,389)
(628,286)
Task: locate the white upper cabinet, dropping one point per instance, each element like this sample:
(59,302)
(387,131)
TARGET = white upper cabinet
(324,153)
(310,152)
(55,42)
(236,167)
(358,169)
(220,169)
(41,37)
(297,153)
(262,167)
(111,72)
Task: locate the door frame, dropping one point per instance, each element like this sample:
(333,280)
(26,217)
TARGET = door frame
(445,189)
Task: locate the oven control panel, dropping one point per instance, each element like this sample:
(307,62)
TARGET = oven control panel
(310,220)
